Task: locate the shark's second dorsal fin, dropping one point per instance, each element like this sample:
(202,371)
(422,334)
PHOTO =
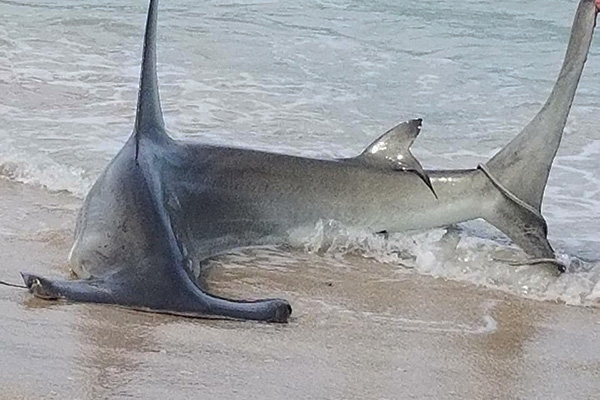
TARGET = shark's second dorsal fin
(149,119)
(392,150)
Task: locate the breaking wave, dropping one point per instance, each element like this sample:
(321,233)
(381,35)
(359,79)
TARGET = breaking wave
(45,173)
(460,255)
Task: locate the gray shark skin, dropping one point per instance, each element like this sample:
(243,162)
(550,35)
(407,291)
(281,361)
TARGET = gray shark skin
(162,206)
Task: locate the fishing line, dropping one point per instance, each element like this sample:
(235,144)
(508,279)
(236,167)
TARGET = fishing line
(13,285)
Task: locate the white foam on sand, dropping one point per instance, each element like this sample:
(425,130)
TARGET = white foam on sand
(461,255)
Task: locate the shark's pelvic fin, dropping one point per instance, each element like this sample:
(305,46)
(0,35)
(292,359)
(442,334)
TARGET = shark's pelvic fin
(149,119)
(392,150)
(522,166)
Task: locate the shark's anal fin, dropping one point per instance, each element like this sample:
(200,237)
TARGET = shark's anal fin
(392,150)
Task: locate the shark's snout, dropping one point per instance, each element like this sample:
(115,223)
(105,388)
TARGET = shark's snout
(40,287)
(27,279)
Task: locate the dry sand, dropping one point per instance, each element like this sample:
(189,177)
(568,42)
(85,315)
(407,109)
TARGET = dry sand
(366,331)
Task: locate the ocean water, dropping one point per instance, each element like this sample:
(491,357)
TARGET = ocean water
(316,78)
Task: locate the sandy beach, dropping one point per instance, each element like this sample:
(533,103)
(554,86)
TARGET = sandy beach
(367,331)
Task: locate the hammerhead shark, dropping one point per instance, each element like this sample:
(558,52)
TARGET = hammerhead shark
(162,206)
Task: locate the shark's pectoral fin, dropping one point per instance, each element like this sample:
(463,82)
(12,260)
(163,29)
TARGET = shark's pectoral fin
(182,299)
(392,150)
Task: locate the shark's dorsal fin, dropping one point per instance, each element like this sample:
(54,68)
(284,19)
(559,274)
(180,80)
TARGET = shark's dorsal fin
(392,150)
(149,119)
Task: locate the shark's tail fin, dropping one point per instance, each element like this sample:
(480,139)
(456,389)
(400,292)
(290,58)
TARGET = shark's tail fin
(522,166)
(521,222)
(520,170)
(149,119)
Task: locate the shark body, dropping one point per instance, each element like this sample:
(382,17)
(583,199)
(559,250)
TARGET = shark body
(162,207)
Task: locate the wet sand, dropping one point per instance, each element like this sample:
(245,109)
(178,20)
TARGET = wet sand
(362,331)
